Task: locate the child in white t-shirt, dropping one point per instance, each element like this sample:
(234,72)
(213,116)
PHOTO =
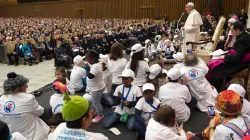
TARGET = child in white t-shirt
(145,109)
(163,126)
(77,75)
(126,97)
(56,100)
(138,65)
(95,84)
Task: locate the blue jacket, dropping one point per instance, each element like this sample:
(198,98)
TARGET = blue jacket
(26,48)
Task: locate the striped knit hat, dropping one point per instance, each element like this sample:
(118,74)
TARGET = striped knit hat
(228,102)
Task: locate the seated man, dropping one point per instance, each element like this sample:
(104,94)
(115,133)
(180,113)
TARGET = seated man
(237,59)
(48,50)
(16,53)
(61,55)
(194,70)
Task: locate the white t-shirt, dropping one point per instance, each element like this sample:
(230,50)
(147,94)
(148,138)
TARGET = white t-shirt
(62,132)
(56,103)
(96,83)
(179,65)
(17,136)
(116,68)
(151,50)
(133,94)
(245,108)
(224,133)
(76,76)
(107,79)
(160,45)
(21,112)
(199,86)
(147,110)
(157,131)
(141,74)
(176,96)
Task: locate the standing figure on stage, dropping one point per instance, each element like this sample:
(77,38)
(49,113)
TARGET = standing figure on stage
(191,27)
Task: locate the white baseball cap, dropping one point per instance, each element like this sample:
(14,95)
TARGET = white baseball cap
(174,74)
(164,71)
(103,58)
(136,48)
(148,86)
(222,38)
(175,36)
(178,56)
(237,88)
(128,73)
(146,42)
(190,4)
(154,71)
(167,40)
(232,20)
(78,59)
(202,33)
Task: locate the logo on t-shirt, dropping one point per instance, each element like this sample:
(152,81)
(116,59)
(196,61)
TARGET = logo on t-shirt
(193,73)
(9,106)
(230,137)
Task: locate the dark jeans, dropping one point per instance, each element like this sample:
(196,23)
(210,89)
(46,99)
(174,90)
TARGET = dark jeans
(114,118)
(47,114)
(16,56)
(140,128)
(67,61)
(48,53)
(107,99)
(192,104)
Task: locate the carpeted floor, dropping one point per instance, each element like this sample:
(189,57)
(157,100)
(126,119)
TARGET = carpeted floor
(197,122)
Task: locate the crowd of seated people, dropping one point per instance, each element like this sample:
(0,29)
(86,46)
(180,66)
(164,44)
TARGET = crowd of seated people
(152,101)
(77,36)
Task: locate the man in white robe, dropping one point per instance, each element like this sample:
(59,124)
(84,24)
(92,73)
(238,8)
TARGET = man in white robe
(191,27)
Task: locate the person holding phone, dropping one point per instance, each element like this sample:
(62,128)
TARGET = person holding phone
(223,125)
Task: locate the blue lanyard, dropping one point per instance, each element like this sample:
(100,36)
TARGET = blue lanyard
(125,98)
(150,113)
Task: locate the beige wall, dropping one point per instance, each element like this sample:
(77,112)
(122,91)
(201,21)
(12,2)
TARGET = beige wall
(113,8)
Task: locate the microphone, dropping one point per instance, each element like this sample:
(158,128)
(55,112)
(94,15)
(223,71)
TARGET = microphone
(183,13)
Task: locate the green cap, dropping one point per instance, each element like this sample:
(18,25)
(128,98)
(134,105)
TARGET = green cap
(74,107)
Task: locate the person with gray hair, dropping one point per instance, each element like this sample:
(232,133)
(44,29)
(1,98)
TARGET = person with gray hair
(20,110)
(195,70)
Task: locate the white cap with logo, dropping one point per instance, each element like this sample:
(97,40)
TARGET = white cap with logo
(148,86)
(128,73)
(154,71)
(237,88)
(174,74)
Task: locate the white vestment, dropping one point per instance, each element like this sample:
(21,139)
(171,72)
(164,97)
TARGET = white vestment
(192,29)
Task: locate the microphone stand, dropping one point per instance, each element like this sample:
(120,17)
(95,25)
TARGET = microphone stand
(177,30)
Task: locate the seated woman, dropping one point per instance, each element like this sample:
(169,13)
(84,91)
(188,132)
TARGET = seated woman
(229,124)
(20,110)
(235,61)
(28,56)
(195,70)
